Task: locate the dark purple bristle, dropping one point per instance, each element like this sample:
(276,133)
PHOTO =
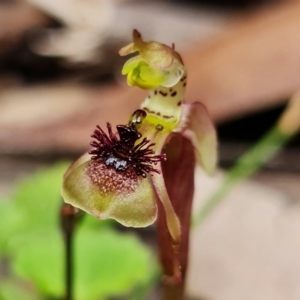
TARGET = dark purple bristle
(122,153)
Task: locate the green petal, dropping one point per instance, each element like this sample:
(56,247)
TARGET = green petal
(108,194)
(197,126)
(131,64)
(157,64)
(153,77)
(131,78)
(144,76)
(141,74)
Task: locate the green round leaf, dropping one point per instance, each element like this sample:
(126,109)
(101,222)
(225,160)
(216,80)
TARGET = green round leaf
(106,263)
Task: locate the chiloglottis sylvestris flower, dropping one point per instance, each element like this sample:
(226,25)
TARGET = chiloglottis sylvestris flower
(145,168)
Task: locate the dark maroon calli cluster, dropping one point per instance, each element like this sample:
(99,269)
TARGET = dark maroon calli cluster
(122,153)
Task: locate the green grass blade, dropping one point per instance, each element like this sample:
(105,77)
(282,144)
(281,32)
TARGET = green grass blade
(245,166)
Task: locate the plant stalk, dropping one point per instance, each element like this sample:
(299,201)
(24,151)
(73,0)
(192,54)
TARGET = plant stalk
(68,220)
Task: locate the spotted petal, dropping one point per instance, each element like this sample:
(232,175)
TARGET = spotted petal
(106,193)
(197,126)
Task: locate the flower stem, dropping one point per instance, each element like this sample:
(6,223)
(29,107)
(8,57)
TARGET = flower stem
(68,218)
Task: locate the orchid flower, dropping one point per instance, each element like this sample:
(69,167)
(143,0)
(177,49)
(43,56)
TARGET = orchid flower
(145,170)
